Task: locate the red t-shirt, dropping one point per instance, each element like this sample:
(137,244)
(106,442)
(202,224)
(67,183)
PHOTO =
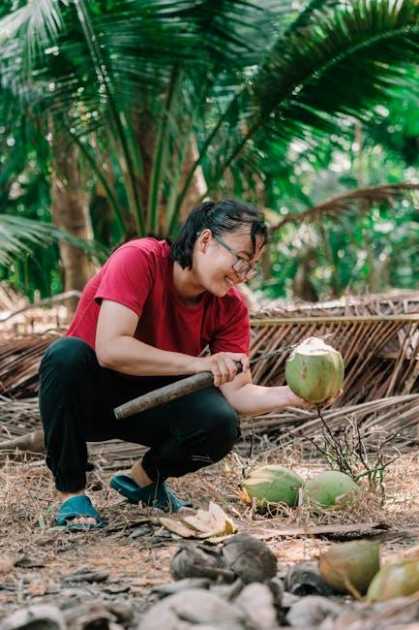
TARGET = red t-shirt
(139,276)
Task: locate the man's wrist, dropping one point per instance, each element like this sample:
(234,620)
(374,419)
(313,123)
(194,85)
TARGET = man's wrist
(194,365)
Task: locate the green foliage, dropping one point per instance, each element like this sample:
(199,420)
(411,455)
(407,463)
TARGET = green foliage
(367,247)
(262,96)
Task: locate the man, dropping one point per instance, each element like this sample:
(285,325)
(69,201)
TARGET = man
(142,322)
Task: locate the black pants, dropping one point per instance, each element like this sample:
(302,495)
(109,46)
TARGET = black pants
(77,398)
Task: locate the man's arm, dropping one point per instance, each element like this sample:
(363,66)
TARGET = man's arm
(253,400)
(117,349)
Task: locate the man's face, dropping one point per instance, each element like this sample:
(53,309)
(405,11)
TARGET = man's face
(226,260)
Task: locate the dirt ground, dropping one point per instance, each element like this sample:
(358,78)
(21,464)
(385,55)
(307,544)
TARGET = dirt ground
(39,562)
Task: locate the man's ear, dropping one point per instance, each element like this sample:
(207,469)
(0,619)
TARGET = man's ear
(204,240)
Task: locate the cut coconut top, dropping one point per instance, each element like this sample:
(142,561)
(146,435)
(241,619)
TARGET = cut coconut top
(313,345)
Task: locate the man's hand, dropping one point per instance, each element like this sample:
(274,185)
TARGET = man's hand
(222,365)
(296,401)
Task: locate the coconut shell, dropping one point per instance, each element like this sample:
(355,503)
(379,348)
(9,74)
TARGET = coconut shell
(249,558)
(193,608)
(45,616)
(315,371)
(194,561)
(395,580)
(329,488)
(350,565)
(273,484)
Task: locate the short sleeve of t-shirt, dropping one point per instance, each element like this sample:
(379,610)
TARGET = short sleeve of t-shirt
(233,332)
(127,278)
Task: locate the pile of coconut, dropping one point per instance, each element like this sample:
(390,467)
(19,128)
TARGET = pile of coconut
(315,372)
(273,485)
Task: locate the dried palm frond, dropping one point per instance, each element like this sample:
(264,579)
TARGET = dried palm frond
(394,302)
(396,415)
(17,417)
(21,418)
(392,415)
(380,352)
(361,199)
(20,317)
(19,364)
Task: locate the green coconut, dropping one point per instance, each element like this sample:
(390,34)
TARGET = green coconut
(315,370)
(329,488)
(272,484)
(395,580)
(350,566)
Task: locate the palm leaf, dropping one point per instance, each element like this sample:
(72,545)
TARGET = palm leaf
(379,37)
(161,151)
(310,12)
(104,80)
(18,236)
(380,351)
(139,42)
(105,64)
(109,63)
(299,91)
(362,199)
(39,20)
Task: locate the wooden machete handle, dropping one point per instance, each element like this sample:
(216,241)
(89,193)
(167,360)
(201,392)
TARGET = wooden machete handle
(167,393)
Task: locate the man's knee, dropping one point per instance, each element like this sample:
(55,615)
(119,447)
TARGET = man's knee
(67,360)
(223,431)
(67,353)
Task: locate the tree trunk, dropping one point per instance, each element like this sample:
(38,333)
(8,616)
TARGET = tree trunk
(70,211)
(145,133)
(198,184)
(302,284)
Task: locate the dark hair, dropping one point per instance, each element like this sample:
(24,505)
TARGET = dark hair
(218,216)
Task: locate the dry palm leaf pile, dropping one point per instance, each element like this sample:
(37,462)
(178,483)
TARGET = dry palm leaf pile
(380,346)
(378,338)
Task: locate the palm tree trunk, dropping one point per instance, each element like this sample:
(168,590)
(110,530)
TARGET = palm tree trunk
(145,132)
(198,184)
(70,211)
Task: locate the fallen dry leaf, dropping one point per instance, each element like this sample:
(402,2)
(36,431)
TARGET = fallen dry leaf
(177,527)
(211,523)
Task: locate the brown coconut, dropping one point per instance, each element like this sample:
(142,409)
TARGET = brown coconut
(350,567)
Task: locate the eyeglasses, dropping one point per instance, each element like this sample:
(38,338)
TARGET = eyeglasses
(242,267)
